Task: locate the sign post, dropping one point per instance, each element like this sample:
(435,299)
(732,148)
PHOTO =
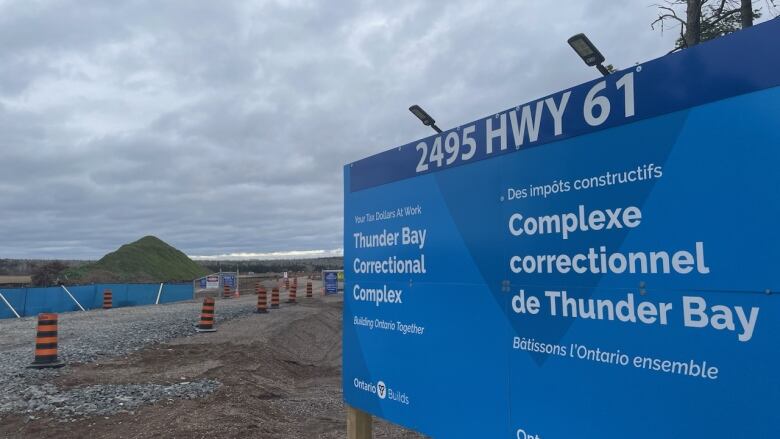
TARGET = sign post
(599,262)
(359,424)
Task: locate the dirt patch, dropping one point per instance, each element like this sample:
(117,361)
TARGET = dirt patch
(280,376)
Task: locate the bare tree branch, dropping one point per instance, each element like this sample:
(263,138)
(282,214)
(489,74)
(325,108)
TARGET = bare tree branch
(683,44)
(670,15)
(702,20)
(663,17)
(720,8)
(723,17)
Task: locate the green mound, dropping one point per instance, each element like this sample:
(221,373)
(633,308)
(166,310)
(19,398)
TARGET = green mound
(147,260)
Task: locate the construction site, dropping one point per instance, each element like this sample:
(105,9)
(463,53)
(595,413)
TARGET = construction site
(450,219)
(146,371)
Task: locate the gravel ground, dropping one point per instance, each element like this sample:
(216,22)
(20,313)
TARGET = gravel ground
(88,337)
(142,372)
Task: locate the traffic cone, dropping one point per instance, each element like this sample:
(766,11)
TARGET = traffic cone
(291,298)
(262,306)
(108,299)
(46,343)
(207,316)
(226,293)
(309,292)
(275,298)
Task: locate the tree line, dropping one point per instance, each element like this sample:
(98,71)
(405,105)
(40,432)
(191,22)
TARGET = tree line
(702,20)
(276,266)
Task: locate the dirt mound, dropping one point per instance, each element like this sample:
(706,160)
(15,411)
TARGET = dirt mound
(147,260)
(314,340)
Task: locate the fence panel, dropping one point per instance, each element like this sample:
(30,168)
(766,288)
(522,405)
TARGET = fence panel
(142,294)
(118,295)
(85,294)
(176,292)
(32,301)
(50,299)
(16,297)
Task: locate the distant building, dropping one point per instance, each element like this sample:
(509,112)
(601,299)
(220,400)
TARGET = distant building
(15,281)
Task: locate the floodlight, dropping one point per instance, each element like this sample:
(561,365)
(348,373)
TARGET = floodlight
(424,117)
(588,52)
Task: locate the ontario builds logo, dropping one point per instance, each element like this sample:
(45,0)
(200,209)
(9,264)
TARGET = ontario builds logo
(381,390)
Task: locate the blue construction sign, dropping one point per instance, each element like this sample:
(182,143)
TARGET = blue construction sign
(330,281)
(598,263)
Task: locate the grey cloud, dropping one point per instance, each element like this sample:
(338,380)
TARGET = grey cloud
(222,127)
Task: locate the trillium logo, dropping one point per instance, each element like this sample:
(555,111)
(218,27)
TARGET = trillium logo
(381,390)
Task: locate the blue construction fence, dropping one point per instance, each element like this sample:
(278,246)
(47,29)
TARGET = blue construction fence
(32,301)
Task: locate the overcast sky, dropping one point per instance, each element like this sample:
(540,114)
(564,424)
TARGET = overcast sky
(222,126)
